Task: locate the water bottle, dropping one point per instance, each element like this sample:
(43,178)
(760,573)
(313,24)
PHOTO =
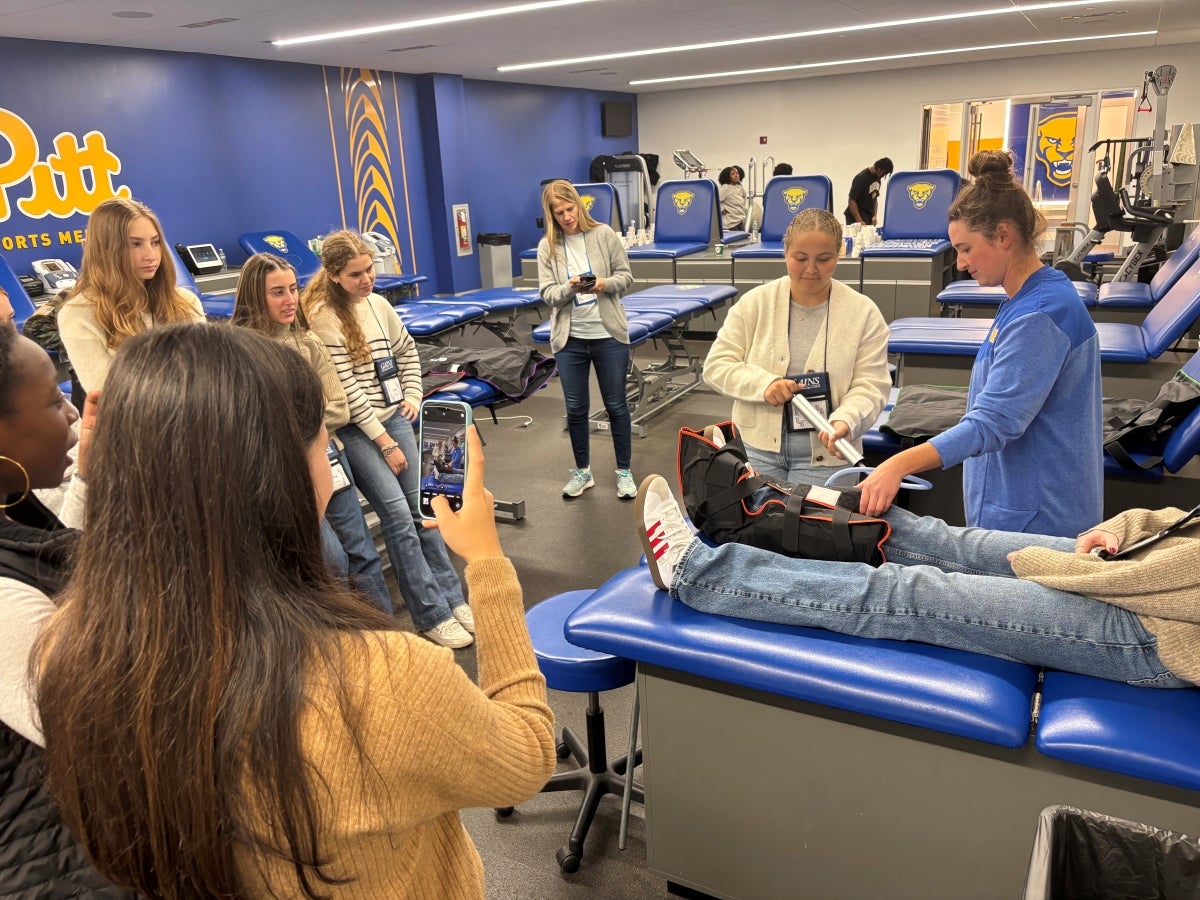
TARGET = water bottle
(631,236)
(221,254)
(754,232)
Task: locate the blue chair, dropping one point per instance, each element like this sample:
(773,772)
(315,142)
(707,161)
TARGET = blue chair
(21,304)
(686,220)
(1135,293)
(784,197)
(578,670)
(288,246)
(916,214)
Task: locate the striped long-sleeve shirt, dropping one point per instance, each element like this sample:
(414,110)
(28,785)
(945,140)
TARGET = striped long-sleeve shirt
(386,337)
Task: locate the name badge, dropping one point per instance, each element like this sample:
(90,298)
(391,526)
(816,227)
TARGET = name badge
(341,480)
(389,380)
(814,386)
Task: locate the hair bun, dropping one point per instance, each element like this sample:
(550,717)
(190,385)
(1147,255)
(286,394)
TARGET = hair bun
(988,164)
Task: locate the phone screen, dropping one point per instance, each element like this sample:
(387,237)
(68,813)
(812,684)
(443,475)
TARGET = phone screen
(443,436)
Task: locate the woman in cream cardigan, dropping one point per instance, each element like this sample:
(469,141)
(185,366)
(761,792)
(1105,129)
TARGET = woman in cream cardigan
(803,333)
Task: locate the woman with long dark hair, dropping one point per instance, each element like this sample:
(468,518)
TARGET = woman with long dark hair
(222,717)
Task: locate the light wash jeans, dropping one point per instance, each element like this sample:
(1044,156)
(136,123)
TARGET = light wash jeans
(610,358)
(359,559)
(427,580)
(942,585)
(793,462)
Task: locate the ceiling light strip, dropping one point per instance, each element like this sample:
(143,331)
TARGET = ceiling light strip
(797,35)
(436,20)
(891,58)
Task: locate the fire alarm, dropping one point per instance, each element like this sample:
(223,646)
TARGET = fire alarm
(763,139)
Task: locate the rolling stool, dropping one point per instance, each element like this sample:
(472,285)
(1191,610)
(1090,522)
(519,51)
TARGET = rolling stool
(578,670)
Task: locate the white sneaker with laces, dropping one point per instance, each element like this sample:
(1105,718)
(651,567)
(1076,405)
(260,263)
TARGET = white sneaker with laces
(449,634)
(581,480)
(465,617)
(661,526)
(626,487)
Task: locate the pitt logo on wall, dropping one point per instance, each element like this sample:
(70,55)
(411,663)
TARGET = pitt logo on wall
(682,200)
(1056,146)
(74,179)
(793,197)
(919,193)
(277,242)
(587,200)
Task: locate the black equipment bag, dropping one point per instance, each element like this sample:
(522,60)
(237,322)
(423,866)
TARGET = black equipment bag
(922,411)
(1132,426)
(731,503)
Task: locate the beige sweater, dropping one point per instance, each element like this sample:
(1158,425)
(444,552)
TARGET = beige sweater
(87,345)
(312,348)
(751,351)
(437,744)
(1161,584)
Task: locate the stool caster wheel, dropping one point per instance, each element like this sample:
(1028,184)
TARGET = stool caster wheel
(567,861)
(504,812)
(562,751)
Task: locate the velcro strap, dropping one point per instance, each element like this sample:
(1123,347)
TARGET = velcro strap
(841,534)
(792,511)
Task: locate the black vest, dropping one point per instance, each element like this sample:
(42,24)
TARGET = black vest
(38,856)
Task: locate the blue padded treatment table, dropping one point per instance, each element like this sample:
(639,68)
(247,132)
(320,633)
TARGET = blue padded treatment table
(429,320)
(682,300)
(1179,262)
(968,291)
(503,307)
(764,249)
(772,751)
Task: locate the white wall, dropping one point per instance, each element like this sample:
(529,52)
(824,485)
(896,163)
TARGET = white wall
(836,125)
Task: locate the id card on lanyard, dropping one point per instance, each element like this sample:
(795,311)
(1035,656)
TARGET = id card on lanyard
(388,374)
(341,480)
(814,387)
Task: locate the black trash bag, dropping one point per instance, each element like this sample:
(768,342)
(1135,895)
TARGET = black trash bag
(493,238)
(1081,855)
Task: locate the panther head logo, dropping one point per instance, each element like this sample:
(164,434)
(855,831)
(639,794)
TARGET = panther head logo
(1056,147)
(587,200)
(682,200)
(919,193)
(277,242)
(793,197)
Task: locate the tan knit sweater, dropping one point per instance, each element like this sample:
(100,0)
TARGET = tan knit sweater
(437,743)
(312,348)
(1161,584)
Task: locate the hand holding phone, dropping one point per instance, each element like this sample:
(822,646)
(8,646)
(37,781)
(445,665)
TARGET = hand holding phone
(586,283)
(471,531)
(445,458)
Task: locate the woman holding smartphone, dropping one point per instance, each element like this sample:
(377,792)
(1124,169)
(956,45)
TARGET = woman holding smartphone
(268,301)
(582,273)
(377,363)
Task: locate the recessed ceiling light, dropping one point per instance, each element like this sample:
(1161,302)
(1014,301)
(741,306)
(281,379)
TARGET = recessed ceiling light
(839,31)
(436,20)
(133,14)
(890,58)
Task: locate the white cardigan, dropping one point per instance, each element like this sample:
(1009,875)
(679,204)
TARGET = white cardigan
(751,350)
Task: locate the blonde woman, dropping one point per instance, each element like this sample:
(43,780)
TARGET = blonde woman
(377,363)
(582,273)
(126,285)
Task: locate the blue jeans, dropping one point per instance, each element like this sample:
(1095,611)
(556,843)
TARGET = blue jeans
(345,523)
(420,562)
(611,360)
(793,462)
(942,585)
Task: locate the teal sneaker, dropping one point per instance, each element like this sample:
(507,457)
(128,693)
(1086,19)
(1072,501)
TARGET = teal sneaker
(581,480)
(626,489)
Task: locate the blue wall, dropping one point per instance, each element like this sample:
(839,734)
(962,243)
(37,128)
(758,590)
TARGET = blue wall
(219,146)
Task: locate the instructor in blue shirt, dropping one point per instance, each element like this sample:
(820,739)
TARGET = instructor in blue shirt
(1030,441)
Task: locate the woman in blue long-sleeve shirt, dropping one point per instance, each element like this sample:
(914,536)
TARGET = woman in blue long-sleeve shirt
(1030,442)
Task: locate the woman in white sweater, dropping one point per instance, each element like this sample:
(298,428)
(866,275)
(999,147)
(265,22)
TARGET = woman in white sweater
(803,333)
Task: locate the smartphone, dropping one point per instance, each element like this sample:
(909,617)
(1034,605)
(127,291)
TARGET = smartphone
(587,282)
(442,434)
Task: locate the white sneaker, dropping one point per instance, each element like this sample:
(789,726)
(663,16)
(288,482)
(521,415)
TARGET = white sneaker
(661,526)
(465,617)
(581,480)
(449,634)
(626,488)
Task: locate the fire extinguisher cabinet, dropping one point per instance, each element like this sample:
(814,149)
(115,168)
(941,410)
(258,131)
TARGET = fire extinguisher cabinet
(495,259)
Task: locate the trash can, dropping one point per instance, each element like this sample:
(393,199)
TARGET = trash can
(1077,853)
(495,259)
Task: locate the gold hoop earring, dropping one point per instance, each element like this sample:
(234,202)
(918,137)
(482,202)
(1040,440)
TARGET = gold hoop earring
(23,472)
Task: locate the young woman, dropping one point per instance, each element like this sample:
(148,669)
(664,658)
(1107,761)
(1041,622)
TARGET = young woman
(803,333)
(587,326)
(223,719)
(1030,442)
(126,285)
(377,363)
(39,858)
(268,301)
(734,202)
(1041,600)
